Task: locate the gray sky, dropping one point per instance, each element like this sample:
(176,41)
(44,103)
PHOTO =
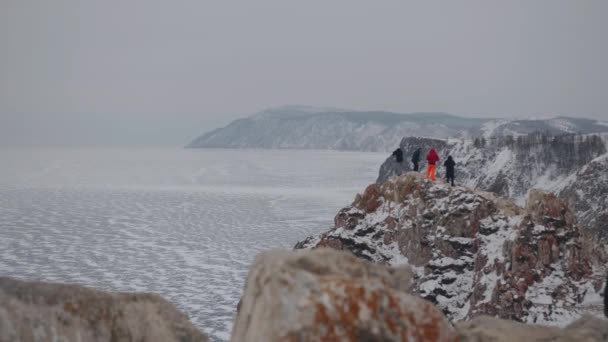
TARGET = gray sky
(160,72)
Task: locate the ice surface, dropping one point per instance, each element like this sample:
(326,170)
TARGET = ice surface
(182,223)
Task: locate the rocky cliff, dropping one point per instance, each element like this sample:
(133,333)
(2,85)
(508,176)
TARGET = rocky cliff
(409,145)
(586,191)
(473,253)
(572,166)
(327,295)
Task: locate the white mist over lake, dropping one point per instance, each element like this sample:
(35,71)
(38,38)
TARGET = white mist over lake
(183,223)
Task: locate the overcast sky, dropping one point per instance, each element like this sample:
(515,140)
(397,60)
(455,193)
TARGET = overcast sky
(123,72)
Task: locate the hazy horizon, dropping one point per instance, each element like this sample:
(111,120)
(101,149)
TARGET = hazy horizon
(159,73)
(180,141)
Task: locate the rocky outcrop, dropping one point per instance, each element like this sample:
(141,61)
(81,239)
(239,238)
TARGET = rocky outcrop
(34,311)
(587,193)
(572,166)
(475,254)
(325,295)
(409,145)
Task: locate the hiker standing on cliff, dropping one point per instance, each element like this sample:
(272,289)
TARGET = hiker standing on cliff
(431,158)
(398,153)
(449,170)
(606,298)
(416,159)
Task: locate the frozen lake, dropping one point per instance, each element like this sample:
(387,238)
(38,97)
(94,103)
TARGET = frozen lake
(182,223)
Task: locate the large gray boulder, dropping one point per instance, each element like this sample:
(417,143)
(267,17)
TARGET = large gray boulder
(36,311)
(487,329)
(327,295)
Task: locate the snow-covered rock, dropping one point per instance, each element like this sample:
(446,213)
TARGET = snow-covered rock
(574,167)
(325,295)
(328,128)
(409,145)
(32,311)
(474,253)
(587,193)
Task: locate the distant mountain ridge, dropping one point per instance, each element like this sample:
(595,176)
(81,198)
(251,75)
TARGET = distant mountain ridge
(302,127)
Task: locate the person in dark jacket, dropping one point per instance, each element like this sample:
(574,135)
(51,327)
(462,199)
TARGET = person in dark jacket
(398,153)
(449,170)
(606,298)
(432,158)
(416,159)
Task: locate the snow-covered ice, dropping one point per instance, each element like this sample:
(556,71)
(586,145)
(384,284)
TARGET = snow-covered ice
(182,223)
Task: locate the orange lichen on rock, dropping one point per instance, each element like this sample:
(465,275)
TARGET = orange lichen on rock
(326,295)
(351,311)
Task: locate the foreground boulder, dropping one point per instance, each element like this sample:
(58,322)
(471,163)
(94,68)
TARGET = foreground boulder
(487,329)
(35,311)
(326,295)
(475,254)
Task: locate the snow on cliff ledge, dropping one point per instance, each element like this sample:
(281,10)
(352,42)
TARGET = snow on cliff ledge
(574,167)
(473,253)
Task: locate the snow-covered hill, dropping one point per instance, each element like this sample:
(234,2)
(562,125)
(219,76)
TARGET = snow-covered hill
(327,128)
(476,254)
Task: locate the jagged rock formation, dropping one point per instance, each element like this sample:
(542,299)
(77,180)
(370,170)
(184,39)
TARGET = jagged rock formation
(574,167)
(327,128)
(587,193)
(475,254)
(511,167)
(33,311)
(326,295)
(507,166)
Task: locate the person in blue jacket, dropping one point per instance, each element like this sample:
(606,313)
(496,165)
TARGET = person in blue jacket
(398,154)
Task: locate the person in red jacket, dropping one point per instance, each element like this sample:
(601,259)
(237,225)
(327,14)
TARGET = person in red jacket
(432,158)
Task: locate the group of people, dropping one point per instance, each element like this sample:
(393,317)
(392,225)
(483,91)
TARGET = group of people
(432,159)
